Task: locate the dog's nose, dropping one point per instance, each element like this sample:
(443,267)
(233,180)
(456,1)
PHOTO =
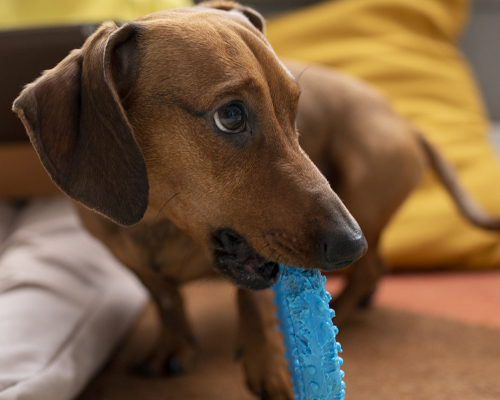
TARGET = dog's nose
(339,251)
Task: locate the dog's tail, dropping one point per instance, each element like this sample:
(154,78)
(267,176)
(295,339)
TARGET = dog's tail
(467,206)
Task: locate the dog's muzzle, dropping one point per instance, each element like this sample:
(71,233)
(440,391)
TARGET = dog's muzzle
(235,259)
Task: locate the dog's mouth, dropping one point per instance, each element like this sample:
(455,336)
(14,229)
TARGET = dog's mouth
(235,259)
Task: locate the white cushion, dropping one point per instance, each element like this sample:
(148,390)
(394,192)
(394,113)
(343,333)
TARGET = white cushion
(65,303)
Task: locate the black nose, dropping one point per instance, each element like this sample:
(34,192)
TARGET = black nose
(339,251)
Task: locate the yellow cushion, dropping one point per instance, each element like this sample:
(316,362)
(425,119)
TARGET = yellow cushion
(407,49)
(26,13)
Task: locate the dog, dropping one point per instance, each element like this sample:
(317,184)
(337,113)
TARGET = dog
(176,135)
(178,129)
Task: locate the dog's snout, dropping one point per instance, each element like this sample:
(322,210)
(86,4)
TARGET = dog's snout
(339,251)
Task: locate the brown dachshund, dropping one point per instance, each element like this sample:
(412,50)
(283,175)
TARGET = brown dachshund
(176,134)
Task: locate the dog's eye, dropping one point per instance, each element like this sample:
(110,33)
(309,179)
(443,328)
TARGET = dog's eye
(230,118)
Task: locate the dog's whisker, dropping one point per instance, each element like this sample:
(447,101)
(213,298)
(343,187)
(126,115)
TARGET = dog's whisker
(275,264)
(278,258)
(245,239)
(267,259)
(157,215)
(257,252)
(267,245)
(254,236)
(205,281)
(299,75)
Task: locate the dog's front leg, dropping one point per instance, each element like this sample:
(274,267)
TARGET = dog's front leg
(175,349)
(261,345)
(360,286)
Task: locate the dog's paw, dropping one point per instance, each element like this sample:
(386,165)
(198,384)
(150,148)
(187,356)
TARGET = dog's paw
(169,359)
(267,375)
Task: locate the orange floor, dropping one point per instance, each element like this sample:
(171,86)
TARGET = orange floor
(470,297)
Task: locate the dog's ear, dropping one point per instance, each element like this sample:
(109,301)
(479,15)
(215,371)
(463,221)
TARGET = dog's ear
(253,16)
(75,119)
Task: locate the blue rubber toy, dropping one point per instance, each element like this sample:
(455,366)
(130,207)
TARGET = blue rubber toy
(309,335)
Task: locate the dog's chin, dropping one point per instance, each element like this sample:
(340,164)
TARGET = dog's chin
(237,261)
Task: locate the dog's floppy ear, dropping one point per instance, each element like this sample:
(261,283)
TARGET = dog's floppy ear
(253,16)
(75,119)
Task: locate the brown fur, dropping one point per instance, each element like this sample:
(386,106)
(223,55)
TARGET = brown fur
(126,127)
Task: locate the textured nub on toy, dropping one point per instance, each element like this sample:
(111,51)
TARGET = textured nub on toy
(309,335)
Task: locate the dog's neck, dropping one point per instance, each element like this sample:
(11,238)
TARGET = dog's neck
(156,244)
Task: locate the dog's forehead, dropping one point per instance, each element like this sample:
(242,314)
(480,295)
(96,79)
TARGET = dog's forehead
(204,27)
(207,49)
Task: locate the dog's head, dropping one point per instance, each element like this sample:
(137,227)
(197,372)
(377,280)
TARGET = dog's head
(189,112)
